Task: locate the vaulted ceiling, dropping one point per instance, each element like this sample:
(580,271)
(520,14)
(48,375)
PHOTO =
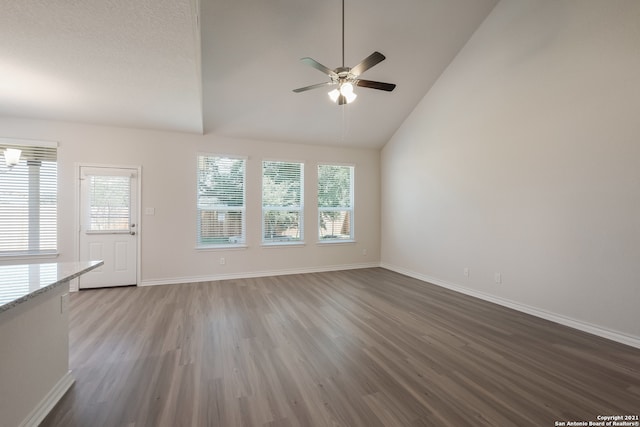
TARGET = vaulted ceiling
(226,67)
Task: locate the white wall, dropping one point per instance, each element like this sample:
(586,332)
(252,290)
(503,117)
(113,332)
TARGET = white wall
(524,159)
(168,161)
(34,358)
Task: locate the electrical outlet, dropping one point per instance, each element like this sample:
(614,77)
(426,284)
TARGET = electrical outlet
(466,271)
(364,252)
(222,261)
(498,277)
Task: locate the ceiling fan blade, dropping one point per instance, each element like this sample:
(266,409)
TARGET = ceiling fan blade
(368,62)
(316,86)
(376,85)
(318,66)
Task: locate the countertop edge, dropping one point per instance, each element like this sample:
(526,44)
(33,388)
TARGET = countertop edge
(48,288)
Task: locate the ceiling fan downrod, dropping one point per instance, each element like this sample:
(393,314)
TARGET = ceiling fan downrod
(342,33)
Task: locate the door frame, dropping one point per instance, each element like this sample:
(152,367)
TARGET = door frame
(74,284)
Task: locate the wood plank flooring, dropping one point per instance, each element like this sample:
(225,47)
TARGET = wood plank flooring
(352,348)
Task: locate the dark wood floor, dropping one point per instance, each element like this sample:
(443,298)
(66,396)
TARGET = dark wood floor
(354,348)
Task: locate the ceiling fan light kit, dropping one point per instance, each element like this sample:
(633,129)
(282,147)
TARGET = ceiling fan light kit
(343,95)
(346,78)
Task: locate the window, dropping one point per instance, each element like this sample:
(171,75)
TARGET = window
(335,202)
(282,196)
(221,201)
(109,203)
(28,199)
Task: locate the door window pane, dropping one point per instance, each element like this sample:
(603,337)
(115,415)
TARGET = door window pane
(109,198)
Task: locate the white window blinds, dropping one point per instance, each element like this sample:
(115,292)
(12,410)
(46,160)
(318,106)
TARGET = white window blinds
(282,202)
(221,201)
(335,202)
(28,199)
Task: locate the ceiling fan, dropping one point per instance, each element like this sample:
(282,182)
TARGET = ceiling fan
(346,78)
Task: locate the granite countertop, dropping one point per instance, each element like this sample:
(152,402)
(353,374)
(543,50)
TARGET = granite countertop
(19,283)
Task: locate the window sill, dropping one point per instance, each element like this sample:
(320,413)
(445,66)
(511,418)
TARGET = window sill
(335,242)
(221,248)
(93,232)
(29,257)
(282,245)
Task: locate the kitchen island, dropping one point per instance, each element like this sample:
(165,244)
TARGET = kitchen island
(34,338)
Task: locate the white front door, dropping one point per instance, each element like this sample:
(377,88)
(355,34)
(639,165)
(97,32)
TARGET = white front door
(108,225)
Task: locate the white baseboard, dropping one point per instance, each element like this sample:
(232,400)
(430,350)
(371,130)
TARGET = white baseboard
(248,275)
(46,405)
(558,318)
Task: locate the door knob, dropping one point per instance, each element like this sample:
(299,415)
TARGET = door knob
(133,233)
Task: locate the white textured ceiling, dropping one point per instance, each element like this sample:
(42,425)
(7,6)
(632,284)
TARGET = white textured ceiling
(137,63)
(116,62)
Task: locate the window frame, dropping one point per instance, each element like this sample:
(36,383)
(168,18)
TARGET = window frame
(350,210)
(42,149)
(242,242)
(299,209)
